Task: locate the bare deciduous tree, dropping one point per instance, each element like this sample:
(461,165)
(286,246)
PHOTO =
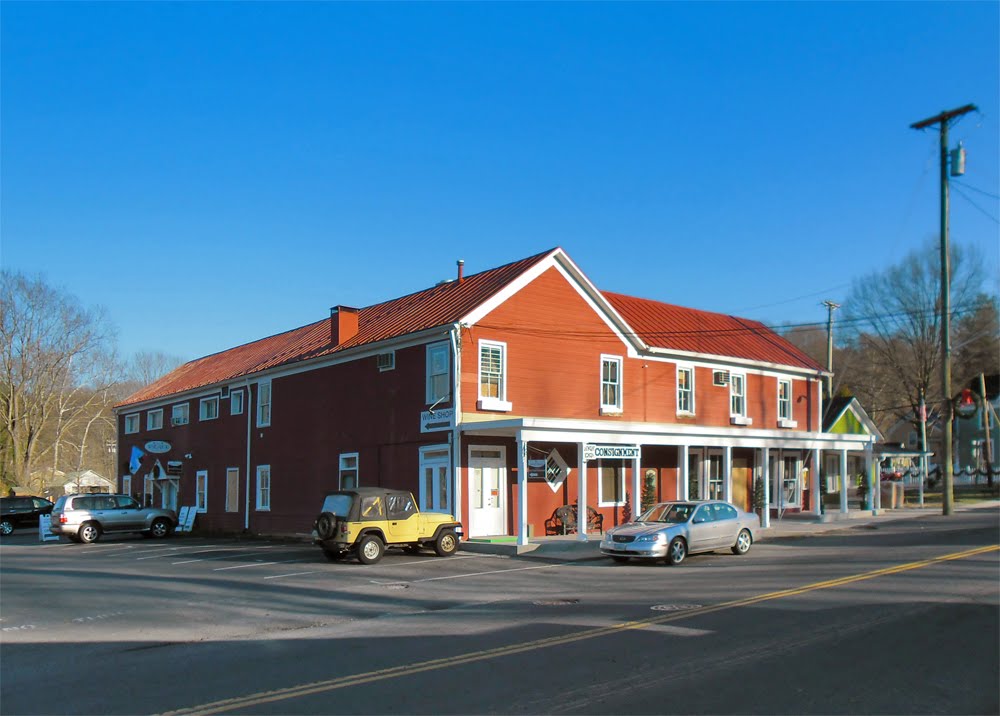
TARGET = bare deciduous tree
(57,370)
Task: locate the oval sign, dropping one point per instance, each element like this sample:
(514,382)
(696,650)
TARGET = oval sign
(157,446)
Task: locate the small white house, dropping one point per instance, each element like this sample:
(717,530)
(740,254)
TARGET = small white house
(86,481)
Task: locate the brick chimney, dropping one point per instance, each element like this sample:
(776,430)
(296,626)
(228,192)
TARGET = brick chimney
(461,267)
(343,324)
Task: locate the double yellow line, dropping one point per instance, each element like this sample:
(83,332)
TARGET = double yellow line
(317,687)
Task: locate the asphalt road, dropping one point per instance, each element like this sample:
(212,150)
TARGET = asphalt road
(899,619)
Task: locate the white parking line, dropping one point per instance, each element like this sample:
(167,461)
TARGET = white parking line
(244,566)
(208,551)
(291,574)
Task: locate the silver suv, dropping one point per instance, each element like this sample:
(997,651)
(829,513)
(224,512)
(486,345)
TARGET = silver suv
(84,518)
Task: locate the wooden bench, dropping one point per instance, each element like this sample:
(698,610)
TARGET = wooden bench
(564,521)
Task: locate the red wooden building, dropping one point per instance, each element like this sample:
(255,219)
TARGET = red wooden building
(490,397)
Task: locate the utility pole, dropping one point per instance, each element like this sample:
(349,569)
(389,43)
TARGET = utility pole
(986,429)
(942,120)
(830,308)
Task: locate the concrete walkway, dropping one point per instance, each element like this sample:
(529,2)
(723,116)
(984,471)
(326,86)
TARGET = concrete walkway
(797,526)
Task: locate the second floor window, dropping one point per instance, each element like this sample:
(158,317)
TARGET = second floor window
(685,390)
(209,408)
(132,423)
(263,404)
(236,402)
(438,373)
(611,384)
(785,399)
(180,414)
(154,419)
(737,395)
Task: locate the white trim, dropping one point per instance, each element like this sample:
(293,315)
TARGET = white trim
(618,465)
(502,480)
(430,397)
(489,402)
(233,395)
(149,419)
(677,389)
(135,428)
(202,411)
(738,417)
(344,466)
(261,423)
(790,418)
(199,507)
(184,407)
(261,507)
(434,462)
(615,408)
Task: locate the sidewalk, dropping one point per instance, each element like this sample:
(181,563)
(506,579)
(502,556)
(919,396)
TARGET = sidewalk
(792,526)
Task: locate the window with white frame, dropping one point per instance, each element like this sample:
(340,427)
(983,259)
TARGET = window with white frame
(611,484)
(438,373)
(790,481)
(263,487)
(611,384)
(685,389)
(386,361)
(714,469)
(201,491)
(263,404)
(737,395)
(784,399)
(154,419)
(180,414)
(208,408)
(132,423)
(348,470)
(493,376)
(236,402)
(232,489)
(126,484)
(147,491)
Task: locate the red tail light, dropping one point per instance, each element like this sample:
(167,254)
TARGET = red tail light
(62,518)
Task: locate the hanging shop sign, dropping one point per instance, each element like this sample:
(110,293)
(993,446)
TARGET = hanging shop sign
(158,446)
(610,452)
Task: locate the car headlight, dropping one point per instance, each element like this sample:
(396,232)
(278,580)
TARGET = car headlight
(658,537)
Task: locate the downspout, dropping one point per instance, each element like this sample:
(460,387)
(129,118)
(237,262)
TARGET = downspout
(456,433)
(246,508)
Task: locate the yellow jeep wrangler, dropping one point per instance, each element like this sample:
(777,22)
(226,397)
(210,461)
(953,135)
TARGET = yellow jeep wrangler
(365,521)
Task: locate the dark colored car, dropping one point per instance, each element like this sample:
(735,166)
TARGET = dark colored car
(21,512)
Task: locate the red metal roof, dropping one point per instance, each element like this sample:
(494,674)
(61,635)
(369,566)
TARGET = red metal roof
(438,306)
(658,324)
(663,325)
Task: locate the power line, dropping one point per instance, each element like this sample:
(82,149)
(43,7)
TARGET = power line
(979,191)
(975,205)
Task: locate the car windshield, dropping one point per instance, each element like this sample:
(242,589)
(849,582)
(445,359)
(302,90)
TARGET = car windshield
(340,505)
(674,513)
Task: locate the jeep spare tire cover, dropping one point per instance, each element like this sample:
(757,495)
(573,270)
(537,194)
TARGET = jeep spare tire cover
(326,525)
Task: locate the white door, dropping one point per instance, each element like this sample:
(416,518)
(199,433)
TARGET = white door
(487,487)
(435,479)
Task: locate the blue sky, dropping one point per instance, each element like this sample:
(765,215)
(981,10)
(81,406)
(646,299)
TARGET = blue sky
(213,173)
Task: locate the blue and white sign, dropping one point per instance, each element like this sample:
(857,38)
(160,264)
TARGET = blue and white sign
(610,452)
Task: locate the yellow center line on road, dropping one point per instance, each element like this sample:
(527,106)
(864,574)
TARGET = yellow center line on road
(318,687)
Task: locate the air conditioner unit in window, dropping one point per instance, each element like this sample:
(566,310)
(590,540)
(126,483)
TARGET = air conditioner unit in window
(386,361)
(720,377)
(225,391)
(177,421)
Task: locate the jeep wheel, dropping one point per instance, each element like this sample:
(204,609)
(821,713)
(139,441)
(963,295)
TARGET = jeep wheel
(88,532)
(370,549)
(326,525)
(446,544)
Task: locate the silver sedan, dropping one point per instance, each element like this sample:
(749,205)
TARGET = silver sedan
(673,530)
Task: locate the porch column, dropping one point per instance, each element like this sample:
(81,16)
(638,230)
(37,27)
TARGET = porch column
(682,472)
(636,490)
(522,490)
(843,481)
(874,478)
(765,466)
(814,478)
(727,473)
(581,495)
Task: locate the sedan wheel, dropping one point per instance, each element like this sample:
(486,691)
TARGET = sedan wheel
(677,551)
(743,542)
(370,550)
(6,527)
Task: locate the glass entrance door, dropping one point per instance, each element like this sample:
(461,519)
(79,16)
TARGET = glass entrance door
(435,479)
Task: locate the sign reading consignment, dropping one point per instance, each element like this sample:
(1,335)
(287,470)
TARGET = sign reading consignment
(610,452)
(157,446)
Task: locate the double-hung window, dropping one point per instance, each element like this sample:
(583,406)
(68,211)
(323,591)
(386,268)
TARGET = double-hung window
(348,470)
(438,373)
(493,376)
(180,414)
(201,491)
(263,404)
(154,419)
(132,423)
(685,390)
(263,487)
(611,484)
(738,399)
(236,402)
(209,408)
(611,384)
(785,404)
